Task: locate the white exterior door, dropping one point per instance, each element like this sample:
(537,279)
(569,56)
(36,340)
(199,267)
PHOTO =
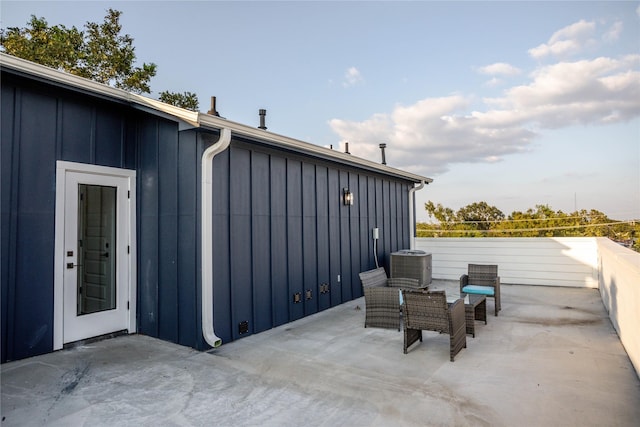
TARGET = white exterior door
(96,266)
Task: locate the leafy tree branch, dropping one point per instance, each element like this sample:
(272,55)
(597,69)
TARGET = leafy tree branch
(100,53)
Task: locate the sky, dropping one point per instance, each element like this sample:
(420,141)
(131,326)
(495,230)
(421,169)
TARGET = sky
(516,104)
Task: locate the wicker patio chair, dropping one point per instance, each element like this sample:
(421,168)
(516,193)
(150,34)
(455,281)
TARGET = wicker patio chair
(382,298)
(482,280)
(429,311)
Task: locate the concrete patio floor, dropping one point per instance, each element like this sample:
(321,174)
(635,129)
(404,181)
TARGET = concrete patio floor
(551,358)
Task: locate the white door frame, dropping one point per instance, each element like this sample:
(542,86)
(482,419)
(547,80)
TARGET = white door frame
(60,260)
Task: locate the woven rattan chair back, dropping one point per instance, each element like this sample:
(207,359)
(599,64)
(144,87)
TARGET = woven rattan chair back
(482,275)
(426,311)
(373,278)
(429,311)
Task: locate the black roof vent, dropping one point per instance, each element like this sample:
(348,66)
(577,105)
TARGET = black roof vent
(213,111)
(382,147)
(262,113)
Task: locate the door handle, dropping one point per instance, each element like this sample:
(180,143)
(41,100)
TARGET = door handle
(106,254)
(72,265)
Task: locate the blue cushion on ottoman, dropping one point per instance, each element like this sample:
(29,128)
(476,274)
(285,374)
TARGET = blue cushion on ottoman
(482,290)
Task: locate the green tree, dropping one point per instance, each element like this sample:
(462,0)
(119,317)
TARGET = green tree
(447,221)
(100,53)
(468,221)
(56,47)
(480,214)
(542,221)
(439,212)
(186,100)
(482,220)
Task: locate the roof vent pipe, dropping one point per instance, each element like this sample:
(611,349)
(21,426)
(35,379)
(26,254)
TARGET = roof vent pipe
(382,147)
(213,111)
(262,113)
(346,148)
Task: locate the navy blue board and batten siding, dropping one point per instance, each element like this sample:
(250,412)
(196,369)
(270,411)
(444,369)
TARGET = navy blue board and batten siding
(40,126)
(280,227)
(42,123)
(168,230)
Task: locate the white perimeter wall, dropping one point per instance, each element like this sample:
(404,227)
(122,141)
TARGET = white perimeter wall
(546,261)
(588,262)
(620,291)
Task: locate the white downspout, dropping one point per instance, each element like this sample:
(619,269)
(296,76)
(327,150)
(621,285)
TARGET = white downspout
(207,236)
(412,237)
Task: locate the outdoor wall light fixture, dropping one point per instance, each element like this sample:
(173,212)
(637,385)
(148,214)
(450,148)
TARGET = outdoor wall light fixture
(347,197)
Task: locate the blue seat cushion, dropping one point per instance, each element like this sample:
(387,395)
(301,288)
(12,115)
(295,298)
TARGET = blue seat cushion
(482,290)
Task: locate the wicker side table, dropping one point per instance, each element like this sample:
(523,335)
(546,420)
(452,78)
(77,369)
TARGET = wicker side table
(475,309)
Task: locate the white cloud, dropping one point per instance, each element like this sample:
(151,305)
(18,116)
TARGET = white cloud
(580,30)
(429,135)
(566,41)
(584,92)
(493,82)
(352,77)
(613,33)
(557,49)
(500,68)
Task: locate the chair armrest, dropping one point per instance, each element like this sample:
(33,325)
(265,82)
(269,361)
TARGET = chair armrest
(496,283)
(457,328)
(464,280)
(457,316)
(403,283)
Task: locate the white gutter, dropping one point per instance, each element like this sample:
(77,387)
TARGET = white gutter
(412,205)
(207,236)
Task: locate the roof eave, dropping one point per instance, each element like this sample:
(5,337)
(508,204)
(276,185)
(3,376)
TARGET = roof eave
(189,119)
(73,82)
(213,122)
